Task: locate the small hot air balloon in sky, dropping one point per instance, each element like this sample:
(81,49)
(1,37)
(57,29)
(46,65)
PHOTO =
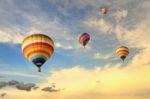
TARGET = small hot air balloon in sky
(104,10)
(122,52)
(38,48)
(84,38)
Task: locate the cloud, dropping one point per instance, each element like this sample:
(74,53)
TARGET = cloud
(23,86)
(99,24)
(3,84)
(113,80)
(58,45)
(14,73)
(13,83)
(101,56)
(53,28)
(3,95)
(50,89)
(27,86)
(10,38)
(120,14)
(18,85)
(29,23)
(35,88)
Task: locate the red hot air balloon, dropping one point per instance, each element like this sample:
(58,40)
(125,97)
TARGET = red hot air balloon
(84,39)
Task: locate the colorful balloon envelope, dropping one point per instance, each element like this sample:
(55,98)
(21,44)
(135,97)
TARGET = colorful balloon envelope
(104,10)
(84,39)
(122,52)
(38,48)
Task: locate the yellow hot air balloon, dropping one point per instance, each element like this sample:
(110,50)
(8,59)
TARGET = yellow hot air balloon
(38,48)
(122,52)
(104,10)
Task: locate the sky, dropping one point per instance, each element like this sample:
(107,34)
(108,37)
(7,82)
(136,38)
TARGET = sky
(73,71)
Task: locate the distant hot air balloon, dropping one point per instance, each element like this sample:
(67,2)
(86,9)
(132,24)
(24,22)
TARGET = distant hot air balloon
(122,52)
(84,39)
(38,48)
(104,10)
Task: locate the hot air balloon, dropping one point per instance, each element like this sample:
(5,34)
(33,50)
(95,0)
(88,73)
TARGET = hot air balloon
(122,52)
(84,38)
(38,48)
(104,10)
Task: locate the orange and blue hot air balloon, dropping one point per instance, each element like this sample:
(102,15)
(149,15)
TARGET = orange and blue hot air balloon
(38,48)
(84,38)
(122,52)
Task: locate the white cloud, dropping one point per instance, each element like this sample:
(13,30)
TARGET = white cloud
(16,73)
(14,32)
(101,56)
(14,36)
(119,15)
(113,80)
(53,28)
(100,24)
(58,45)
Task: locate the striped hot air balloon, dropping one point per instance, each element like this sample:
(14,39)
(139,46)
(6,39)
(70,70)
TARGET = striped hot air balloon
(84,39)
(38,48)
(122,52)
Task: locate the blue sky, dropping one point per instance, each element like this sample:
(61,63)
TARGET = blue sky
(68,16)
(63,21)
(126,23)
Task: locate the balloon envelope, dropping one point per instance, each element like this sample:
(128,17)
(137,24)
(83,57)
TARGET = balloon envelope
(104,10)
(122,52)
(38,48)
(84,39)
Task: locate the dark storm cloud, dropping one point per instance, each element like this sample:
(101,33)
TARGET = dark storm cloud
(50,89)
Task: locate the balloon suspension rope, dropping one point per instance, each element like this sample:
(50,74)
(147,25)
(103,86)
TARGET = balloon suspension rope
(39,69)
